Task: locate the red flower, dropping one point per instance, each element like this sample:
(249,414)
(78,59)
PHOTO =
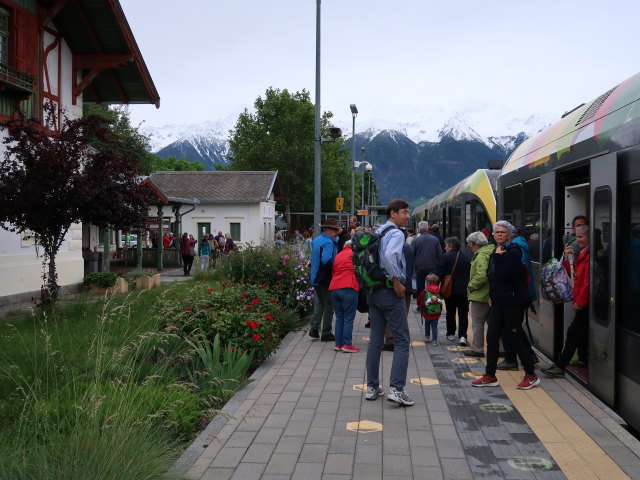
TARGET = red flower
(263,285)
(210,290)
(268,317)
(282,308)
(275,302)
(252,324)
(248,307)
(255,301)
(187,309)
(279,285)
(255,337)
(174,325)
(243,296)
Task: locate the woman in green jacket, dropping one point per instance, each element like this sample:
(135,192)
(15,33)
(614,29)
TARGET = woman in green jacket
(478,290)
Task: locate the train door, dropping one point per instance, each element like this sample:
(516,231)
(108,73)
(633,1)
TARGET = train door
(546,310)
(602,285)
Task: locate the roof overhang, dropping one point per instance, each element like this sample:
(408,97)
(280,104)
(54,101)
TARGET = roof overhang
(104,51)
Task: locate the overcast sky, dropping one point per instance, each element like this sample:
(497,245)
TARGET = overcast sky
(401,61)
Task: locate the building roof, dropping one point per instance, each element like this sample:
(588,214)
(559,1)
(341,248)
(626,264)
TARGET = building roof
(216,187)
(104,49)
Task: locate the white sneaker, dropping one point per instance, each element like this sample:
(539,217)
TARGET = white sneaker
(400,397)
(373,393)
(463,341)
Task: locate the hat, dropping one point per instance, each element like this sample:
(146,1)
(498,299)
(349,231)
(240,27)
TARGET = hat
(331,223)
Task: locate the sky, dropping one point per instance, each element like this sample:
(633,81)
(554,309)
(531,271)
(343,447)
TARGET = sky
(403,61)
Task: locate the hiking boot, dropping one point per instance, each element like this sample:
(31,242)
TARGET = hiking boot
(486,381)
(329,337)
(388,347)
(313,333)
(553,372)
(338,348)
(373,393)
(463,341)
(350,349)
(504,365)
(471,353)
(400,397)
(528,381)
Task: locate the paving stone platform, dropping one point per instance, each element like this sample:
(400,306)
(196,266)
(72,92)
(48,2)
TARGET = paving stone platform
(305,417)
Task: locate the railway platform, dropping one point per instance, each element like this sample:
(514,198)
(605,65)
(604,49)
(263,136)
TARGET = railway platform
(305,416)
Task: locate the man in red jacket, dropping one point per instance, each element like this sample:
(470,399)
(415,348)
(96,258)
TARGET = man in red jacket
(579,328)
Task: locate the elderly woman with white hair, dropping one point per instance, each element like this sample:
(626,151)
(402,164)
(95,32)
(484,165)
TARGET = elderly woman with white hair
(478,290)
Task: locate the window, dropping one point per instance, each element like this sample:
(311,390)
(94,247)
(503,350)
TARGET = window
(513,206)
(629,248)
(600,259)
(546,230)
(235,231)
(455,218)
(531,227)
(4,36)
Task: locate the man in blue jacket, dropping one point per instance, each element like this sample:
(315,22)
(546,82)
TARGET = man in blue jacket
(323,252)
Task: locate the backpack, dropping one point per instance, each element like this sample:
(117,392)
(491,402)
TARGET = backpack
(366,257)
(556,285)
(432,308)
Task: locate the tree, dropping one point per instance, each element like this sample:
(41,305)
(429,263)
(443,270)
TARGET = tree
(50,180)
(280,136)
(173,164)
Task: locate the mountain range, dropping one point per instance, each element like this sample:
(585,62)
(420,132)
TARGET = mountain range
(408,161)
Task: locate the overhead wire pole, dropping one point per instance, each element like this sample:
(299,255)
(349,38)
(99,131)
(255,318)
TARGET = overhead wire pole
(317,140)
(354,113)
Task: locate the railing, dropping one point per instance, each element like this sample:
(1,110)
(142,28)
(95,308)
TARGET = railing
(17,79)
(170,257)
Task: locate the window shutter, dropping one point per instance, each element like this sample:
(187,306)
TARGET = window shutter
(26,46)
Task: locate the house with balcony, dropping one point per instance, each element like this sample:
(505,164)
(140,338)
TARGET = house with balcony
(56,55)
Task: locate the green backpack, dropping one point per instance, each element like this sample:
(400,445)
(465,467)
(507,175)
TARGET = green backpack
(366,256)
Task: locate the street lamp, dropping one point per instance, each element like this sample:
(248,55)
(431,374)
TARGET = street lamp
(317,138)
(368,167)
(354,113)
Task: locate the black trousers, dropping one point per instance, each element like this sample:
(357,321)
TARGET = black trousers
(187,262)
(460,303)
(509,318)
(577,336)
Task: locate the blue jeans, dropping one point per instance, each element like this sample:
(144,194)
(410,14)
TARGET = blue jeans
(433,326)
(387,308)
(345,301)
(322,310)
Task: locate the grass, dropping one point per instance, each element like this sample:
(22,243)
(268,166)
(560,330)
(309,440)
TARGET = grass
(94,390)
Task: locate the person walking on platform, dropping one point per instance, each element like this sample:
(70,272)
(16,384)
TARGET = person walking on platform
(426,253)
(478,290)
(578,331)
(323,254)
(457,264)
(344,298)
(387,306)
(507,297)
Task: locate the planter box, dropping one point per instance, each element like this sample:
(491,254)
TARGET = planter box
(121,286)
(145,283)
(156,279)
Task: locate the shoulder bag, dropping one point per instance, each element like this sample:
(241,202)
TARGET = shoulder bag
(447,282)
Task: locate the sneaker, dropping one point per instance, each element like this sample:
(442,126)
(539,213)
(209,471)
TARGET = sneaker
(427,339)
(435,343)
(350,349)
(486,381)
(463,341)
(553,372)
(451,338)
(388,347)
(329,337)
(472,353)
(373,393)
(504,365)
(400,397)
(528,381)
(313,333)
(338,348)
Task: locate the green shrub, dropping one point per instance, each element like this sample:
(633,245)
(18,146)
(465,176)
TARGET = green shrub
(101,279)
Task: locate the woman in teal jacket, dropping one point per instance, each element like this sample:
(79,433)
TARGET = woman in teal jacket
(205,252)
(478,290)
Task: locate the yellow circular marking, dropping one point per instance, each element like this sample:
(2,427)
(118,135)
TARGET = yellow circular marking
(362,387)
(464,360)
(471,375)
(425,382)
(457,349)
(364,426)
(417,343)
(365,339)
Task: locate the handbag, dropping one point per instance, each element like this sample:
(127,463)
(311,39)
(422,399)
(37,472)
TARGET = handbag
(446,285)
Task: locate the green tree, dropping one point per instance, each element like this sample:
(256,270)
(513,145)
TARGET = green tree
(280,136)
(132,142)
(173,164)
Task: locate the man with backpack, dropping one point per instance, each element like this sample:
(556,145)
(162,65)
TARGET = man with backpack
(387,306)
(323,253)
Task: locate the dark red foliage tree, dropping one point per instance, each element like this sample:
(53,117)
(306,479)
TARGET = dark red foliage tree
(50,180)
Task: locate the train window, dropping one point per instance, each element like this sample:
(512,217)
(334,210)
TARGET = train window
(600,260)
(469,219)
(531,225)
(630,253)
(546,230)
(455,217)
(513,205)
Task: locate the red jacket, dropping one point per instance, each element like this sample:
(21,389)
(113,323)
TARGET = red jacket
(343,274)
(433,289)
(580,278)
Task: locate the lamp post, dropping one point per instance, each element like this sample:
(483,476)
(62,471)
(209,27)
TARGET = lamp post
(317,138)
(368,168)
(354,113)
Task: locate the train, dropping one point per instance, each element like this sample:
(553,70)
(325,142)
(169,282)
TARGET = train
(587,163)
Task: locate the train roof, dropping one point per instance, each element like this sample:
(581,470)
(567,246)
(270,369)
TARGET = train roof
(604,123)
(481,183)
